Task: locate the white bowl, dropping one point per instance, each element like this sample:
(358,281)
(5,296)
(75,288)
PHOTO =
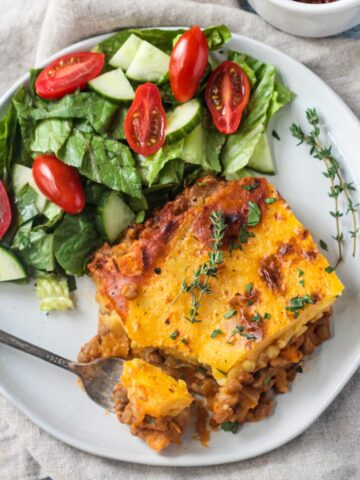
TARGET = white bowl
(309,20)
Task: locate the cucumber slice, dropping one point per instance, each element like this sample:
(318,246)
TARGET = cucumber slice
(10,266)
(124,56)
(113,85)
(150,64)
(182,121)
(22,175)
(242,173)
(261,160)
(113,216)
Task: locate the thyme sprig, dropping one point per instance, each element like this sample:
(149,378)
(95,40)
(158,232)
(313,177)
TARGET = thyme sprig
(338,184)
(199,285)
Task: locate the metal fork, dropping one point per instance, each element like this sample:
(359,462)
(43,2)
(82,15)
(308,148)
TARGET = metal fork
(98,377)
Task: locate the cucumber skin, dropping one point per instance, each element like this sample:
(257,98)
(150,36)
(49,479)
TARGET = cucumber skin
(110,99)
(185,131)
(19,265)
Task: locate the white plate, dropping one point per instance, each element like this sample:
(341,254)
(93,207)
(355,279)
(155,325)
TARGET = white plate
(51,397)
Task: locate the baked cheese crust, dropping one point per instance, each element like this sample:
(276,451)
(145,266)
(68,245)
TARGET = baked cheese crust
(272,281)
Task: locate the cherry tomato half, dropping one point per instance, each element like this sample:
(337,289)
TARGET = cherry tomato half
(188,62)
(5,211)
(227,94)
(68,73)
(59,183)
(145,121)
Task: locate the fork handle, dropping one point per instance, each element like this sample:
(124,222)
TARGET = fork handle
(34,350)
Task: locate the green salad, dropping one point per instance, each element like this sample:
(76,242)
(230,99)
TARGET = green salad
(86,130)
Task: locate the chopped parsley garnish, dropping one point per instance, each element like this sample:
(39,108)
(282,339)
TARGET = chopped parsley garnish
(298,303)
(251,187)
(216,332)
(230,313)
(201,184)
(323,245)
(249,287)
(267,315)
(185,341)
(300,272)
(244,235)
(270,200)
(302,283)
(256,318)
(254,214)
(157,270)
(275,135)
(174,335)
(232,427)
(329,269)
(250,303)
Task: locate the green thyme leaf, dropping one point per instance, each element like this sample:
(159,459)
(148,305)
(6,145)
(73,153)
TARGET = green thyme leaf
(275,135)
(216,332)
(229,313)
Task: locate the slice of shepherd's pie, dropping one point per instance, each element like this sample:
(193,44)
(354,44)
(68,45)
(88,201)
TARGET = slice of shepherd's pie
(154,404)
(223,288)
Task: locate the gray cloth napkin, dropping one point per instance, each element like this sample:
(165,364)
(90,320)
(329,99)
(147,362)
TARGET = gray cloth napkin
(29,32)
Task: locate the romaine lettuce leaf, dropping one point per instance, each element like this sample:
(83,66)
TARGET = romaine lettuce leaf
(243,61)
(25,203)
(110,163)
(7,137)
(50,135)
(268,95)
(35,247)
(98,111)
(163,39)
(151,166)
(74,239)
(217,36)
